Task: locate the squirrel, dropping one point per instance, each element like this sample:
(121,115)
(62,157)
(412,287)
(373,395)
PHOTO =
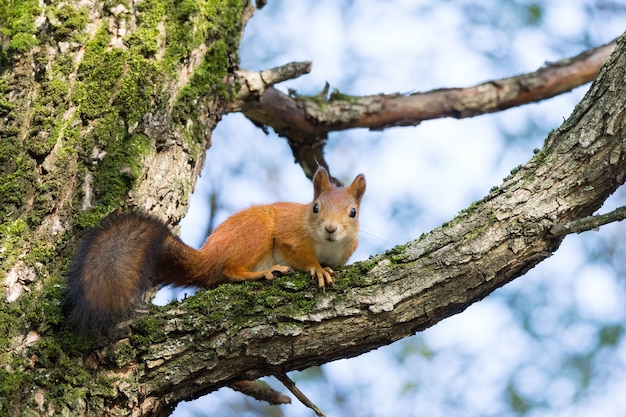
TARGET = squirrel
(129,253)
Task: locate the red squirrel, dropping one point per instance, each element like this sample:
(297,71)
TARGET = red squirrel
(126,254)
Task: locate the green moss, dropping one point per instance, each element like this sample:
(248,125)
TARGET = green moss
(12,233)
(117,173)
(104,387)
(121,353)
(145,39)
(114,89)
(188,26)
(67,22)
(99,75)
(243,304)
(144,42)
(232,304)
(17,25)
(513,172)
(137,89)
(397,253)
(47,307)
(17,178)
(23,42)
(65,376)
(9,323)
(355,275)
(148,330)
(57,91)
(63,65)
(12,382)
(336,95)
(76,344)
(184,31)
(88,219)
(115,85)
(471,209)
(540,158)
(6,107)
(207,80)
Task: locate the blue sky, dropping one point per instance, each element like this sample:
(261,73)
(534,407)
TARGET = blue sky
(419,177)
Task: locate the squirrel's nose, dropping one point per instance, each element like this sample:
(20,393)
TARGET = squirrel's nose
(330,228)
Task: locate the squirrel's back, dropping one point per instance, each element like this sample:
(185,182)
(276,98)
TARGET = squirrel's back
(114,265)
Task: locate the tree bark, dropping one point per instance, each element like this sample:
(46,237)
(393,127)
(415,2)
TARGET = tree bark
(114,108)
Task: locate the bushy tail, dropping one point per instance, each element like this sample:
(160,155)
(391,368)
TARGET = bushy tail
(113,267)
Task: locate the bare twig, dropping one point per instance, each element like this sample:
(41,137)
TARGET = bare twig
(587,223)
(253,84)
(262,391)
(291,386)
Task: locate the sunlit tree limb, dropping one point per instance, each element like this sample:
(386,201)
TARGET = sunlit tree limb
(306,120)
(289,115)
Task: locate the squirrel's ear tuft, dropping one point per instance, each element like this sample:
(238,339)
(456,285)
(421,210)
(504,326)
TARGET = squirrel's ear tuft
(357,188)
(321,182)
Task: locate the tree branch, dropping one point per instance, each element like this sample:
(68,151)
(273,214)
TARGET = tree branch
(291,386)
(587,223)
(306,120)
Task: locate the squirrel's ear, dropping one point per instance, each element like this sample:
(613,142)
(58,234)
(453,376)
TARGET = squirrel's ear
(357,188)
(321,182)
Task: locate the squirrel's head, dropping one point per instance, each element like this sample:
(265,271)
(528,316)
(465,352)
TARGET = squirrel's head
(334,212)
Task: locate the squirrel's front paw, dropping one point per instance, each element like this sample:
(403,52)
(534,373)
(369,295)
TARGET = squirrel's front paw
(323,276)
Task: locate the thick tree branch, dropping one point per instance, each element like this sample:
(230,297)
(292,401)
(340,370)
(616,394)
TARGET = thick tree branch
(306,120)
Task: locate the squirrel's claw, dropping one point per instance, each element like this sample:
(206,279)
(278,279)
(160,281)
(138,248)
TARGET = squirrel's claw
(323,276)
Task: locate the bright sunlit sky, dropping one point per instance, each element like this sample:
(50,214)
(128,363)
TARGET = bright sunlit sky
(417,178)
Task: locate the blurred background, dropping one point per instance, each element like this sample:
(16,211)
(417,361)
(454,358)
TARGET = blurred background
(549,344)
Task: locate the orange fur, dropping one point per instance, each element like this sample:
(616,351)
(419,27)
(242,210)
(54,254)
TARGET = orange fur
(129,253)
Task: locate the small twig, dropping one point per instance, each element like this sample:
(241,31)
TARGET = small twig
(291,386)
(285,72)
(262,391)
(587,223)
(253,84)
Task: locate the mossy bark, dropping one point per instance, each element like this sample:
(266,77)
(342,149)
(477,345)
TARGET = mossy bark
(103,106)
(111,106)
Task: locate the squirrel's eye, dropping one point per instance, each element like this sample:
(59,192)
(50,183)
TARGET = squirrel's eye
(353,212)
(316,208)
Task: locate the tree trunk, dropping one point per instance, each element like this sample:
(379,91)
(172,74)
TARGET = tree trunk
(114,108)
